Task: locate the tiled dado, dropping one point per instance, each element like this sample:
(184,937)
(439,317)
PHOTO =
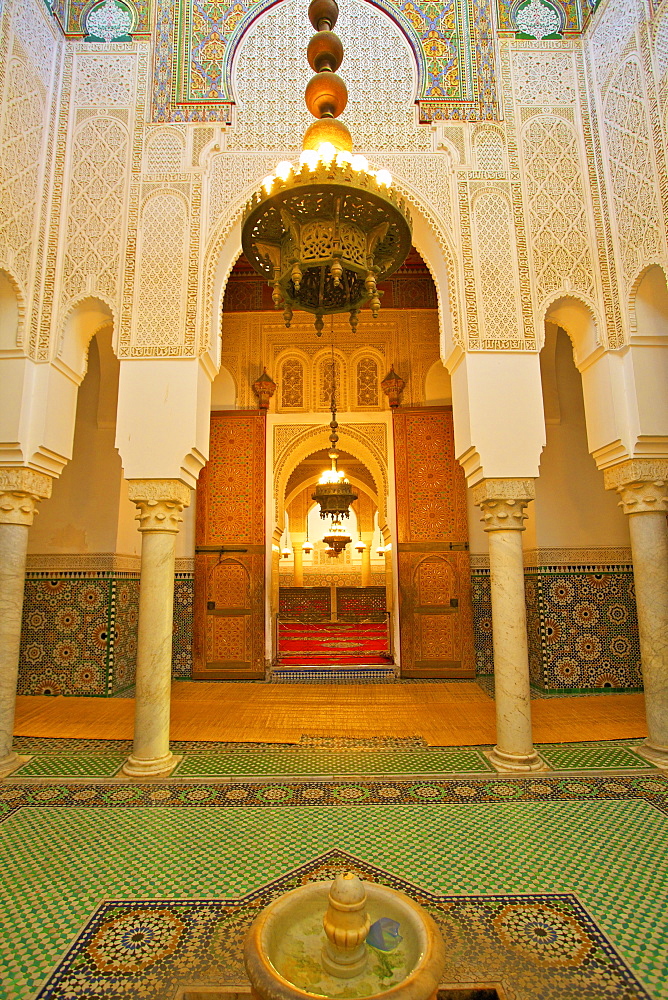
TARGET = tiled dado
(79,634)
(582,627)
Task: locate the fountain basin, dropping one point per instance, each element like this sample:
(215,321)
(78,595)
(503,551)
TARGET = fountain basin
(283,948)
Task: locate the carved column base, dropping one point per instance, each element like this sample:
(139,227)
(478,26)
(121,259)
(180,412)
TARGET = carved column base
(9,763)
(140,767)
(656,755)
(515,762)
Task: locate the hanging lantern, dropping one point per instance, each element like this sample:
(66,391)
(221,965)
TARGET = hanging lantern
(325,231)
(336,539)
(393,386)
(333,491)
(264,388)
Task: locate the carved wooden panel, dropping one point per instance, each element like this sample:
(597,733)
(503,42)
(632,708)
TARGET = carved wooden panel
(229,562)
(435,613)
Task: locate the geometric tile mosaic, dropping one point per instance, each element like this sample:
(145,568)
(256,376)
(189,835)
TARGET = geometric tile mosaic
(590,756)
(541,945)
(101,759)
(70,758)
(71,766)
(79,634)
(582,628)
(323,762)
(590,851)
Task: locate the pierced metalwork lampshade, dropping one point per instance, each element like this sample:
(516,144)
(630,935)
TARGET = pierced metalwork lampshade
(336,539)
(333,492)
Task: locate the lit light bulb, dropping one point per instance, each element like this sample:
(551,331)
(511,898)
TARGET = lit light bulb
(326,152)
(359,162)
(284,169)
(268,183)
(344,158)
(383,177)
(309,158)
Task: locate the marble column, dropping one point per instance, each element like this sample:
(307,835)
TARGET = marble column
(502,503)
(20,491)
(367,538)
(642,485)
(298,568)
(159,503)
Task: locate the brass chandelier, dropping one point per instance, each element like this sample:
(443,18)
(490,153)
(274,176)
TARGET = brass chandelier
(333,492)
(325,231)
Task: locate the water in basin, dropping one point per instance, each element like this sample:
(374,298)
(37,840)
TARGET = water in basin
(295,952)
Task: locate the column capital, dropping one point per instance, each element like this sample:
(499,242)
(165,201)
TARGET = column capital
(159,503)
(502,502)
(642,484)
(21,490)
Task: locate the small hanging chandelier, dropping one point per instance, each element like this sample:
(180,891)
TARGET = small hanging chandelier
(333,491)
(336,538)
(324,232)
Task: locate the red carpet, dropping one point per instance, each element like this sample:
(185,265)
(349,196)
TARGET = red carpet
(332,643)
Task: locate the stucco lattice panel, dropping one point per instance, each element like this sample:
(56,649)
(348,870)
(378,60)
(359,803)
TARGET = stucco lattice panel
(161,274)
(230,177)
(489,150)
(271,74)
(164,153)
(367,382)
(560,241)
(292,384)
(631,171)
(36,36)
(429,174)
(104,80)
(661,44)
(498,308)
(95,215)
(544,78)
(19,166)
(330,382)
(610,35)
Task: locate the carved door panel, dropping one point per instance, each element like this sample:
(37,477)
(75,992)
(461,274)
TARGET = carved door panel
(435,614)
(229,561)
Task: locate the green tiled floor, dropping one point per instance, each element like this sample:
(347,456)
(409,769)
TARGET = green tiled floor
(324,762)
(83,765)
(590,756)
(224,761)
(59,863)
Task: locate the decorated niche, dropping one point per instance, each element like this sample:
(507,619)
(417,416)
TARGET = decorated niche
(110,21)
(538,19)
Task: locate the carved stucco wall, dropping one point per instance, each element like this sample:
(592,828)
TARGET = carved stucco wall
(571,187)
(29,54)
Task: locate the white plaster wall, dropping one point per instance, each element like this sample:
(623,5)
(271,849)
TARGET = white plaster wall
(572,508)
(85,509)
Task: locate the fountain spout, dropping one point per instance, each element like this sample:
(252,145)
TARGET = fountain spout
(346,924)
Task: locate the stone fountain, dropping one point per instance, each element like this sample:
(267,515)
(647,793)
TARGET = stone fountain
(342,939)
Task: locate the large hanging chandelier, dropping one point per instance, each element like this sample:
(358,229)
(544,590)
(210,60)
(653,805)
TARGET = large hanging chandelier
(325,231)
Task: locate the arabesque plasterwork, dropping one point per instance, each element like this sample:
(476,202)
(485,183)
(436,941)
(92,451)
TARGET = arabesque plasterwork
(482,186)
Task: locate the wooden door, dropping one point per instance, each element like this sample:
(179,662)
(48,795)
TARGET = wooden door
(228,634)
(435,615)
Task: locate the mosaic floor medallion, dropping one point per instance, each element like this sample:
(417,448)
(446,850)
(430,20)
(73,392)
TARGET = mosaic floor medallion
(541,946)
